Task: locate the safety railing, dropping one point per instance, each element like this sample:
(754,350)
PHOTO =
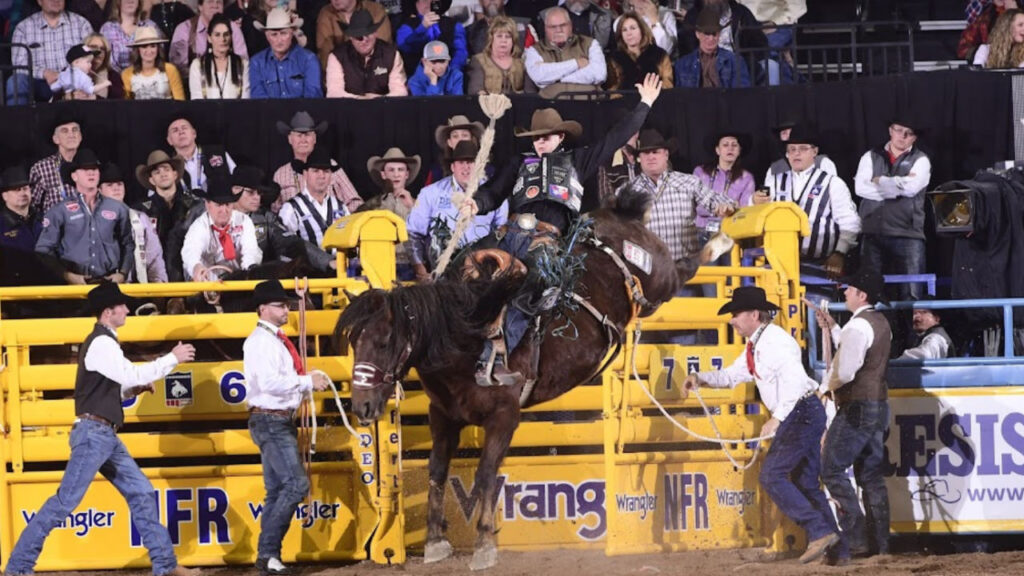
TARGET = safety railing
(840,51)
(7,71)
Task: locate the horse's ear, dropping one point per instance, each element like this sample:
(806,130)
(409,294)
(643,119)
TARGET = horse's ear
(348,294)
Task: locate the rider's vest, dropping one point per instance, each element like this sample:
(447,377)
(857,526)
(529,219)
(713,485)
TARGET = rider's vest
(549,178)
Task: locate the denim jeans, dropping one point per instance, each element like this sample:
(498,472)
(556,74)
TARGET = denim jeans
(791,469)
(24,89)
(857,438)
(284,478)
(96,448)
(895,255)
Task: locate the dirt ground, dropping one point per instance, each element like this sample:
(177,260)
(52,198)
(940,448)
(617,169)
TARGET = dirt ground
(697,563)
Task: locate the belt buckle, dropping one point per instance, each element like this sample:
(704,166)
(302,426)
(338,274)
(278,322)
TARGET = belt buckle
(527,222)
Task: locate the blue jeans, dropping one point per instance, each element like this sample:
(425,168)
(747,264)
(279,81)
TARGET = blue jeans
(284,478)
(24,89)
(96,448)
(895,255)
(790,472)
(857,438)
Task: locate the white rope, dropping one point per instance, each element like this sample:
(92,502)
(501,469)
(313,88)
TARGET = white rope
(341,410)
(707,412)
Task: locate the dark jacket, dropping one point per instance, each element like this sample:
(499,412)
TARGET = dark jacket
(732,71)
(742,17)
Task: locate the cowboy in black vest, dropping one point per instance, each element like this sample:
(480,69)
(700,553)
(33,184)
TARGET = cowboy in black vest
(545,190)
(891,181)
(857,382)
(105,378)
(933,340)
(364,66)
(277,384)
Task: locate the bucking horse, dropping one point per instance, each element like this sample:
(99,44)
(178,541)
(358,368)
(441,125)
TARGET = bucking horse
(439,329)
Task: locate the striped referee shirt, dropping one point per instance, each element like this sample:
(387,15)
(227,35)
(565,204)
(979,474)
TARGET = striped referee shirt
(674,209)
(830,210)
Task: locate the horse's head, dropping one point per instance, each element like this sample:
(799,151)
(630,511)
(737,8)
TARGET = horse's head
(620,225)
(380,353)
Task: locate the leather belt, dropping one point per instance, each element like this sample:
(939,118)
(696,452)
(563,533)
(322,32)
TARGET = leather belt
(286,413)
(99,419)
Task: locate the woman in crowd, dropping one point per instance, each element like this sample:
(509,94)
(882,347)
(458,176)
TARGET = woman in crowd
(1006,43)
(125,17)
(151,77)
(661,21)
(219,73)
(724,174)
(101,69)
(499,68)
(636,55)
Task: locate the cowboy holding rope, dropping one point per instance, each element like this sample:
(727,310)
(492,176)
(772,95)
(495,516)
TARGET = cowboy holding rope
(790,472)
(544,189)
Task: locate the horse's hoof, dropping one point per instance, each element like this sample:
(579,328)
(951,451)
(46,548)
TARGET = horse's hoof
(436,551)
(484,558)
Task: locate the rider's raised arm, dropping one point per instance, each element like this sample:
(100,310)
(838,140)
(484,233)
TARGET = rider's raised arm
(492,193)
(590,158)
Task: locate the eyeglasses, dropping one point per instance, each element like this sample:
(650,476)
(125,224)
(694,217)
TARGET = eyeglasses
(904,132)
(802,149)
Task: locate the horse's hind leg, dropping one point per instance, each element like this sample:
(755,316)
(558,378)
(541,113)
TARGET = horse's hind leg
(445,436)
(498,431)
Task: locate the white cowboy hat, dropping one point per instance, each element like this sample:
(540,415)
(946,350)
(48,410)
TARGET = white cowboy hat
(278,19)
(146,35)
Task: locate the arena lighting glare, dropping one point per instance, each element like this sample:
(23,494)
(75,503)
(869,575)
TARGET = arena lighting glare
(954,210)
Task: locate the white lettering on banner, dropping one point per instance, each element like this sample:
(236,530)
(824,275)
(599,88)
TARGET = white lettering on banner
(959,457)
(545,500)
(736,498)
(307,513)
(686,496)
(636,504)
(81,522)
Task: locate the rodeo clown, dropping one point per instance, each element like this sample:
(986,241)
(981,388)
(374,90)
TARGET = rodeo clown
(790,472)
(545,190)
(277,383)
(104,378)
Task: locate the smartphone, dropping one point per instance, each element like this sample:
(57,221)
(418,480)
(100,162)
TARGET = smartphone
(435,7)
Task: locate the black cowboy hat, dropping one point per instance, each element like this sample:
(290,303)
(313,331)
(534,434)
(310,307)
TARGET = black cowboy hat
(464,150)
(651,139)
(301,122)
(785,123)
(111,174)
(548,121)
(218,191)
(64,116)
(712,140)
(318,158)
(747,298)
(361,24)
(934,311)
(270,291)
(870,282)
(13,177)
(269,193)
(84,158)
(909,120)
(803,134)
(247,177)
(107,295)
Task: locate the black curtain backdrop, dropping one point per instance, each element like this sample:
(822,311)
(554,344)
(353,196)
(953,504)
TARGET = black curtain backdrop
(967,116)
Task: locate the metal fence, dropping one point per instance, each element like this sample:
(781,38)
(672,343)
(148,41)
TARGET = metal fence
(831,52)
(8,68)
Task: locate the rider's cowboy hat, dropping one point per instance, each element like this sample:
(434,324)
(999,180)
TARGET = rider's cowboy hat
(301,122)
(146,35)
(360,25)
(156,158)
(270,291)
(747,298)
(376,163)
(458,122)
(278,19)
(548,121)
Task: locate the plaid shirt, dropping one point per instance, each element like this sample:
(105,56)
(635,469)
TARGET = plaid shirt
(974,8)
(676,197)
(976,33)
(47,187)
(54,43)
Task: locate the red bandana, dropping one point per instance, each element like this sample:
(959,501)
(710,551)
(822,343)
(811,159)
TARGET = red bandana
(225,241)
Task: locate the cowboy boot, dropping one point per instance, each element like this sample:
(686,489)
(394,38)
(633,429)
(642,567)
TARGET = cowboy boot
(490,368)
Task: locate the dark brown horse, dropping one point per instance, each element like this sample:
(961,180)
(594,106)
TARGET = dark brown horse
(439,330)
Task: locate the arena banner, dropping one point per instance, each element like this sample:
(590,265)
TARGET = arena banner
(956,460)
(211,519)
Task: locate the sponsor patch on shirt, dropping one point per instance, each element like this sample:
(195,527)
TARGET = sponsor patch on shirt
(109,214)
(380,71)
(216,161)
(76,217)
(560,192)
(532,192)
(72,206)
(637,256)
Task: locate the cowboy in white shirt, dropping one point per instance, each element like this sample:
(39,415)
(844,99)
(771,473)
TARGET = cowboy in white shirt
(220,237)
(773,360)
(276,382)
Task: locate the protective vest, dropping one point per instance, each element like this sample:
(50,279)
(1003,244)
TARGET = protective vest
(550,178)
(95,393)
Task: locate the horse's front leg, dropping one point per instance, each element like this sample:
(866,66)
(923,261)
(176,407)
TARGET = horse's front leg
(445,436)
(498,430)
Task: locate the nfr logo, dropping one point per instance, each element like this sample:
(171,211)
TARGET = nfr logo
(686,496)
(210,508)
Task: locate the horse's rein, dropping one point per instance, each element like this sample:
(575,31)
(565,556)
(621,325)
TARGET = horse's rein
(634,288)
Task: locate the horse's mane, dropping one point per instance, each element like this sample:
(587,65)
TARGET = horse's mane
(628,204)
(439,320)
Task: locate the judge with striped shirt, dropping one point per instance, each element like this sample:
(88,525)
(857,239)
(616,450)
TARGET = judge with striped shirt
(824,197)
(314,209)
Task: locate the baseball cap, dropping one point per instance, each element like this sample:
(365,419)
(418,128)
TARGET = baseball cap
(436,50)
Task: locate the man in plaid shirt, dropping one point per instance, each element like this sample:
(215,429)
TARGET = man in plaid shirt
(49,34)
(48,188)
(675,197)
